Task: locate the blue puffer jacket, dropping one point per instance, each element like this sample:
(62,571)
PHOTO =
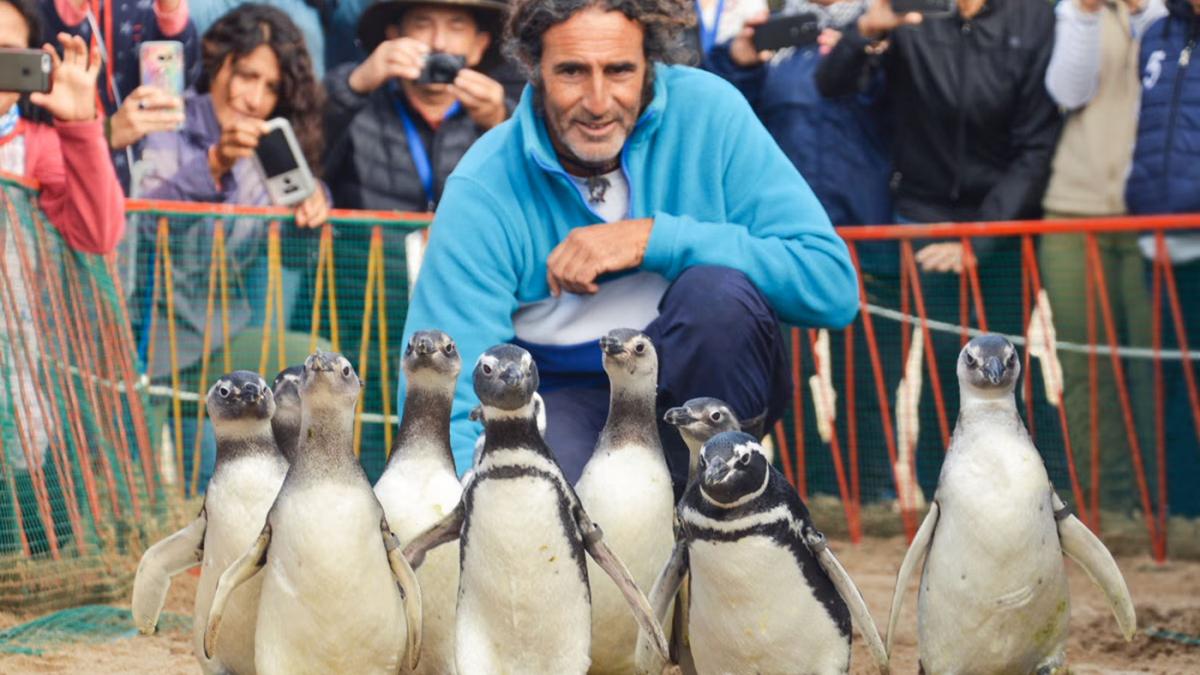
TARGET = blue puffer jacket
(1166,161)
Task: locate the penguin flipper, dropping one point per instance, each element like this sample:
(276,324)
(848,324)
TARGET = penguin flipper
(406,579)
(912,558)
(444,531)
(668,585)
(859,613)
(1093,556)
(160,562)
(593,541)
(238,573)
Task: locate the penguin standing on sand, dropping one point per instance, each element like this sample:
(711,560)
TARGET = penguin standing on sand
(767,594)
(419,486)
(524,604)
(337,596)
(993,595)
(285,424)
(247,476)
(626,486)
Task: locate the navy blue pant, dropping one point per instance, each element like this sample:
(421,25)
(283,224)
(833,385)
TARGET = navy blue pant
(716,335)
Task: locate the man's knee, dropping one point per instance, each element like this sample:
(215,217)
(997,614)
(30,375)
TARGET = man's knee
(718,296)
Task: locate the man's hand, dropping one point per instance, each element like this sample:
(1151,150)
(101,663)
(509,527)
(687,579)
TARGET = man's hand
(481,96)
(827,40)
(402,57)
(741,48)
(879,20)
(145,110)
(944,257)
(238,140)
(72,97)
(314,211)
(591,251)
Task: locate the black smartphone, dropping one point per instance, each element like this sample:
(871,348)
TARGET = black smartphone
(24,70)
(793,30)
(933,8)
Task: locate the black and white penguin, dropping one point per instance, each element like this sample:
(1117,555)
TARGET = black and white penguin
(993,595)
(248,474)
(337,595)
(420,487)
(698,420)
(767,594)
(524,604)
(626,486)
(286,422)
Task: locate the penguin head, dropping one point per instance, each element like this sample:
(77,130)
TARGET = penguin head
(329,378)
(629,354)
(702,418)
(431,358)
(733,469)
(505,378)
(287,386)
(989,366)
(240,395)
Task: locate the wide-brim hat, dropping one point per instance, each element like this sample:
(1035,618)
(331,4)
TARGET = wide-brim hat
(373,23)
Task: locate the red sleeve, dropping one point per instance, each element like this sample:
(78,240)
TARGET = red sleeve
(80,193)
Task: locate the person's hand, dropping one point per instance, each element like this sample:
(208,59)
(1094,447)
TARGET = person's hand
(741,47)
(314,211)
(72,96)
(145,110)
(879,20)
(401,57)
(481,96)
(590,251)
(238,140)
(944,257)
(827,40)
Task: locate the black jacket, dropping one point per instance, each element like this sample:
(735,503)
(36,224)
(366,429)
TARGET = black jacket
(975,129)
(368,163)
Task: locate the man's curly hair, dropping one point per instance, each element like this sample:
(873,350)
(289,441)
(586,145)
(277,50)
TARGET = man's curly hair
(662,20)
(248,27)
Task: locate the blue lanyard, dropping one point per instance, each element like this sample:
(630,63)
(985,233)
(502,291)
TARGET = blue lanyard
(417,147)
(8,121)
(708,33)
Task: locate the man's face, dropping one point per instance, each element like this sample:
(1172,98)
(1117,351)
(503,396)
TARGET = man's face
(445,29)
(247,86)
(593,70)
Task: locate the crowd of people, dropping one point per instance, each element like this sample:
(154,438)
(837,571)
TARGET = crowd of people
(996,110)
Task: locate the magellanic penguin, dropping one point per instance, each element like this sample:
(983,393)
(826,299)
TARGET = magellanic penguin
(420,487)
(337,595)
(768,596)
(286,422)
(247,476)
(523,599)
(698,420)
(626,486)
(993,595)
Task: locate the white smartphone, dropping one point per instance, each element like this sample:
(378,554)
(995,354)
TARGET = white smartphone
(289,180)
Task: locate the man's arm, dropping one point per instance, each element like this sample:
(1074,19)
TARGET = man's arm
(467,288)
(1073,75)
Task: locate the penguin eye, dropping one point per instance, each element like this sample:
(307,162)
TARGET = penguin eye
(1012,360)
(702,463)
(640,348)
(716,416)
(970,360)
(223,391)
(346,370)
(744,460)
(487,370)
(408,350)
(449,349)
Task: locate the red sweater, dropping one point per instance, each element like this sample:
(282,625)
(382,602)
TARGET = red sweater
(79,189)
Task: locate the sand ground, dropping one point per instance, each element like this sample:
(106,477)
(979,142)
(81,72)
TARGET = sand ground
(1167,596)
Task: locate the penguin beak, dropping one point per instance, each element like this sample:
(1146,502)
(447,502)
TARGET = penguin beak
(611,346)
(679,417)
(424,346)
(993,369)
(715,472)
(511,375)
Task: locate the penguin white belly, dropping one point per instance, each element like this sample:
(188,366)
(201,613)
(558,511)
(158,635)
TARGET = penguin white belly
(329,602)
(993,595)
(523,606)
(753,611)
(628,494)
(238,499)
(415,496)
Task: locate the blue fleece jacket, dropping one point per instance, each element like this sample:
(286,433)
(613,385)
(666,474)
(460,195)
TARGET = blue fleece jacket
(698,162)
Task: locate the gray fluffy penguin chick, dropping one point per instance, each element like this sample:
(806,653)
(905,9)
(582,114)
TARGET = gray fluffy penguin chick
(626,486)
(698,420)
(994,538)
(285,424)
(337,595)
(419,487)
(248,474)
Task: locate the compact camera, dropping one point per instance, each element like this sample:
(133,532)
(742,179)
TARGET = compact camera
(441,68)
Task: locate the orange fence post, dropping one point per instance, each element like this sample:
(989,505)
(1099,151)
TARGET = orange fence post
(835,452)
(935,379)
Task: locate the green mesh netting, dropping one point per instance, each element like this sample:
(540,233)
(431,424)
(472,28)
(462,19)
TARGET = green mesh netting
(87,624)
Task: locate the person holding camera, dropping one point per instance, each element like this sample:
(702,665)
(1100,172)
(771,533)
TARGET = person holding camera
(628,193)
